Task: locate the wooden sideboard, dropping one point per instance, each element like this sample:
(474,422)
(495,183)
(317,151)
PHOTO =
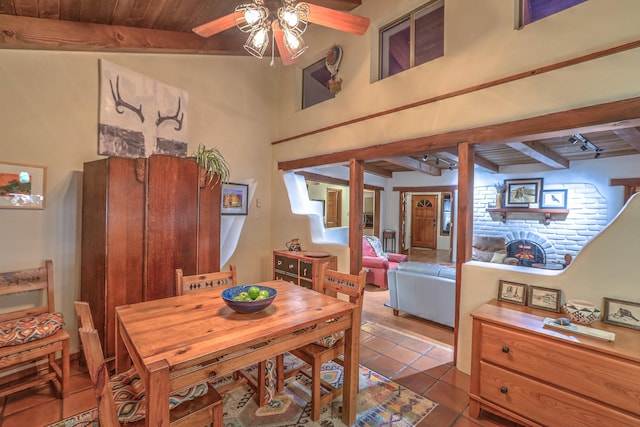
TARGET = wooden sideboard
(301,269)
(539,376)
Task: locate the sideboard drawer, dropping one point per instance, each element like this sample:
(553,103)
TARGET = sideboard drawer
(578,370)
(278,275)
(545,404)
(306,269)
(288,265)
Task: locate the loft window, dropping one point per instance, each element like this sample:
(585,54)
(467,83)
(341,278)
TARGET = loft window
(533,10)
(412,40)
(315,84)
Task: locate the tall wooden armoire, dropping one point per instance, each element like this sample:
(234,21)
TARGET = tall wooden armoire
(142,219)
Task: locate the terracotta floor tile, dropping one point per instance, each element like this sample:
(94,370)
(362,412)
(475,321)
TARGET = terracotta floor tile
(415,381)
(457,379)
(430,366)
(439,417)
(33,397)
(488,419)
(441,354)
(384,366)
(402,354)
(416,345)
(378,344)
(365,336)
(367,354)
(449,396)
(465,422)
(79,402)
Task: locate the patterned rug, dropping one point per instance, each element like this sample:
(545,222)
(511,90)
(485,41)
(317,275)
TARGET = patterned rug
(381,402)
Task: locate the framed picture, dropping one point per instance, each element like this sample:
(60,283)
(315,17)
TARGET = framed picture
(521,192)
(554,199)
(235,199)
(512,292)
(22,186)
(622,313)
(544,298)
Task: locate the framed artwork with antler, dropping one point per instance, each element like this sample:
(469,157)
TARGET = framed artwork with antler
(140,116)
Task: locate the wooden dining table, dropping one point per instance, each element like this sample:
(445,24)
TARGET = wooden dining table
(177,341)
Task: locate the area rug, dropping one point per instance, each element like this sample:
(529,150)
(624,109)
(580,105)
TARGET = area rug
(381,402)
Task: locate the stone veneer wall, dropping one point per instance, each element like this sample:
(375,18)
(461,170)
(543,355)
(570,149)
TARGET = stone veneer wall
(587,217)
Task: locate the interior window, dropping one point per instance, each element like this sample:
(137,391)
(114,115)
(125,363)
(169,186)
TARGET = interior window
(534,10)
(315,86)
(412,40)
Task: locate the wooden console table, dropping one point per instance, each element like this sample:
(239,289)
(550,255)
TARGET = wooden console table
(301,268)
(537,376)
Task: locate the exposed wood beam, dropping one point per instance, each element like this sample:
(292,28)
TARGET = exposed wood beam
(428,189)
(356,204)
(608,116)
(631,136)
(50,34)
(631,182)
(325,179)
(541,153)
(414,165)
(376,170)
(480,161)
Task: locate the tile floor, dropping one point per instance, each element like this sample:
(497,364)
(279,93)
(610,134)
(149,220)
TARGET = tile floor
(413,352)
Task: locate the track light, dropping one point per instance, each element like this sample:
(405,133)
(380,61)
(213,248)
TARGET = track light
(438,160)
(586,144)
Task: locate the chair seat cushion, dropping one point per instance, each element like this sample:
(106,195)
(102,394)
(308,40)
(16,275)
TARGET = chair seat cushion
(30,328)
(128,394)
(330,340)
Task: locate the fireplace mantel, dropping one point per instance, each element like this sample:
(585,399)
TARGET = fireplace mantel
(544,215)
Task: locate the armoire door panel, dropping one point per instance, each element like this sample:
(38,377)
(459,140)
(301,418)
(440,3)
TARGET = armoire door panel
(209,227)
(172,228)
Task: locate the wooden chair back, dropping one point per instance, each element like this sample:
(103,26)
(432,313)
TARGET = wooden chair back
(30,280)
(99,377)
(201,282)
(333,283)
(83,311)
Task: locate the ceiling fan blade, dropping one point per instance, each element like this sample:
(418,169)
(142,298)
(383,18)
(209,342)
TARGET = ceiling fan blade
(218,25)
(337,19)
(278,36)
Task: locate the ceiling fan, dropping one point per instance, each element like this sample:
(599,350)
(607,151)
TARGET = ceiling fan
(284,25)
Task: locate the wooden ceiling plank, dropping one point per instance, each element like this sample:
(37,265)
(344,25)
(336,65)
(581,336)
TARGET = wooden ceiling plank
(630,135)
(415,165)
(539,152)
(49,9)
(345,5)
(26,8)
(376,170)
(70,10)
(7,8)
(451,153)
(49,34)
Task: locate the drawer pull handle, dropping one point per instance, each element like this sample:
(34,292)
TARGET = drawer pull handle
(505,349)
(504,389)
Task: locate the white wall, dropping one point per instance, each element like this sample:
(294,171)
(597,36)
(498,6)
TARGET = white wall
(48,116)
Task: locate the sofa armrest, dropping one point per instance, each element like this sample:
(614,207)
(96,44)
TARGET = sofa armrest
(398,257)
(375,262)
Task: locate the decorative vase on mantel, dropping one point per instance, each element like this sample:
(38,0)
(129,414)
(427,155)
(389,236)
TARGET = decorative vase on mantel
(499,197)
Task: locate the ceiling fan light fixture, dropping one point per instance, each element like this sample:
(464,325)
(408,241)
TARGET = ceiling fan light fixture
(258,40)
(251,15)
(294,18)
(294,43)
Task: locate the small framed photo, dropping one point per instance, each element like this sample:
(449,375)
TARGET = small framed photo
(22,186)
(622,313)
(554,199)
(235,199)
(512,292)
(522,192)
(544,298)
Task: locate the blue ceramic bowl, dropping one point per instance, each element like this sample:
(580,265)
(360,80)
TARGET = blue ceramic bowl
(247,306)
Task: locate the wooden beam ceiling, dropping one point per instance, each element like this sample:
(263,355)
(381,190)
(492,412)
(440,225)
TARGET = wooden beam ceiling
(539,152)
(414,165)
(631,136)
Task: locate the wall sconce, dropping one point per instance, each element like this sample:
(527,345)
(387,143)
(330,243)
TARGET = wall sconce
(586,144)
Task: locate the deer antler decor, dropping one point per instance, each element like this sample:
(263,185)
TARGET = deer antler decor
(121,103)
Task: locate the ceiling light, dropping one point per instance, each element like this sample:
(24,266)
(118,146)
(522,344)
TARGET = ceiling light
(586,144)
(438,160)
(254,18)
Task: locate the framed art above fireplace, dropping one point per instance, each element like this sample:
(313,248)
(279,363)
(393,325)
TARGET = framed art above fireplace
(522,192)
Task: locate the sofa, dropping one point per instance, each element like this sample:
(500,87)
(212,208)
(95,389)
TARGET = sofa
(491,249)
(424,290)
(377,262)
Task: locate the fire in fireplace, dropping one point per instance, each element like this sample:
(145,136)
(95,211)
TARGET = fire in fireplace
(527,252)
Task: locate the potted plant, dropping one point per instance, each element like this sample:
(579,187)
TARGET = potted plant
(213,163)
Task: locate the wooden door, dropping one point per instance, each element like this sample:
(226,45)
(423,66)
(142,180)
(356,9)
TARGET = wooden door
(334,207)
(424,214)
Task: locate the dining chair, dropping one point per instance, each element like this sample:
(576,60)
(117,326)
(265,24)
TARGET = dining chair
(328,348)
(121,398)
(201,282)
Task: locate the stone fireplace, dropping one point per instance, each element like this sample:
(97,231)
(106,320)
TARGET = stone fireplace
(549,242)
(527,252)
